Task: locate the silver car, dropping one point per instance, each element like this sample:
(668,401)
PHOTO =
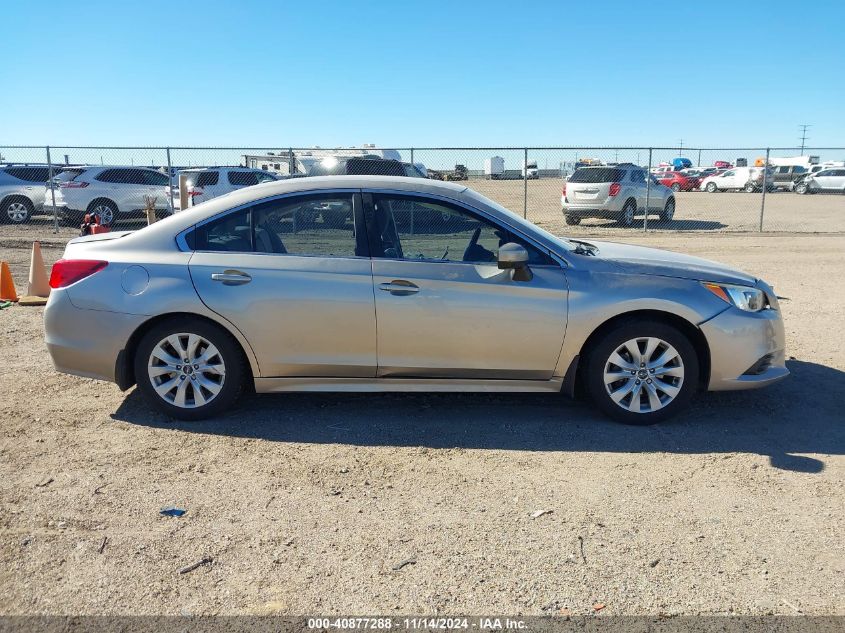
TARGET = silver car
(236,292)
(22,190)
(619,192)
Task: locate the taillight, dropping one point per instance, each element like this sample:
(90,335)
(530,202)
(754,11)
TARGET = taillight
(71,184)
(563,193)
(68,271)
(614,189)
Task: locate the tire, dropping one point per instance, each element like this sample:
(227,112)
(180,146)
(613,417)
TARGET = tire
(207,393)
(106,209)
(572,220)
(711,187)
(750,188)
(801,188)
(681,369)
(17,210)
(629,212)
(668,211)
(675,187)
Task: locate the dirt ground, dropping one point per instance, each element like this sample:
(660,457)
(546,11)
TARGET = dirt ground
(308,504)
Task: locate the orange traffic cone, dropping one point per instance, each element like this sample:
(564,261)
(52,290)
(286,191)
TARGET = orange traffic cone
(7,284)
(38,288)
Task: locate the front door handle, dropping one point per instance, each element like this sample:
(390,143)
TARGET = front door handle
(231,277)
(399,287)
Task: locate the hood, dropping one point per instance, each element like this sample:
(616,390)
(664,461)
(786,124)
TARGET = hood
(641,260)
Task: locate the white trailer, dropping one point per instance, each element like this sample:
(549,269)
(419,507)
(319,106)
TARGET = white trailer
(494,167)
(793,161)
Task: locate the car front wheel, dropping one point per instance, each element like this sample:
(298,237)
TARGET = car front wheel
(642,372)
(711,187)
(801,188)
(189,368)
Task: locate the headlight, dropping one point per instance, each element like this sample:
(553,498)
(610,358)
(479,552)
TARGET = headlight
(743,297)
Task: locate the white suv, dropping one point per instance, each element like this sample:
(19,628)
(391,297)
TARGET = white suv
(22,191)
(107,191)
(207,183)
(748,179)
(617,193)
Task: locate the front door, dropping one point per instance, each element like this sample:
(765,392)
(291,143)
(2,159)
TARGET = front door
(443,307)
(300,292)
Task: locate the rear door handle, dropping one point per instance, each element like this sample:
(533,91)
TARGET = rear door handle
(231,277)
(399,287)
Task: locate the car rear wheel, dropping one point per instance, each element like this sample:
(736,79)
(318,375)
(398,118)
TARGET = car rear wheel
(628,213)
(668,211)
(750,188)
(642,372)
(675,186)
(106,209)
(711,187)
(189,369)
(572,220)
(17,210)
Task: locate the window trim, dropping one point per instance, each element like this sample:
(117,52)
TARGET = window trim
(369,211)
(357,217)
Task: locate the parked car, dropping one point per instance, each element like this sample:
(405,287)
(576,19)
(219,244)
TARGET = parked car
(679,181)
(22,190)
(722,164)
(108,191)
(230,295)
(748,179)
(209,182)
(614,192)
(827,181)
(785,176)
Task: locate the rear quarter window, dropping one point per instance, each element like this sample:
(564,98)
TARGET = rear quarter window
(29,174)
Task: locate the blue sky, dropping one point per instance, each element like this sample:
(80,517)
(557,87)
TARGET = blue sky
(422,73)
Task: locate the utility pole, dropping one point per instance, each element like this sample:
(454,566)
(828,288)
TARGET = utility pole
(681,147)
(804,137)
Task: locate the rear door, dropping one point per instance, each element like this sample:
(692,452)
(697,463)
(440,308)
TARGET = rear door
(445,310)
(301,295)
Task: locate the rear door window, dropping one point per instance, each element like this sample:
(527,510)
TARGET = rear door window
(206,178)
(30,174)
(243,178)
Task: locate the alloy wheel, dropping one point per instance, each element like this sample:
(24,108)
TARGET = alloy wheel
(186,370)
(644,374)
(105,212)
(17,212)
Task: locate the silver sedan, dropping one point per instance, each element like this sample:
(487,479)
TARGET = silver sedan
(370,283)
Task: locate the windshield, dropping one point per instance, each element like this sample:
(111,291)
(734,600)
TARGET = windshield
(518,221)
(596,174)
(67,174)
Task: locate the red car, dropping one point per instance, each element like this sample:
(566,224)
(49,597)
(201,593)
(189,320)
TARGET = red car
(679,181)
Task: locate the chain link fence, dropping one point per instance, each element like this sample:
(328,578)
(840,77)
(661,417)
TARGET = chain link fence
(45,191)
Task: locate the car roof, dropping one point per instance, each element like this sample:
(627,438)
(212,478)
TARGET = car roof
(188,217)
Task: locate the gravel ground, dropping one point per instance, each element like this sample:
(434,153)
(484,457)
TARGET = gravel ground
(308,504)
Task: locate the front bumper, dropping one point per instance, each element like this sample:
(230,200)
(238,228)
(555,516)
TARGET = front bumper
(85,342)
(737,341)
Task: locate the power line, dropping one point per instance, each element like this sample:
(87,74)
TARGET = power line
(804,136)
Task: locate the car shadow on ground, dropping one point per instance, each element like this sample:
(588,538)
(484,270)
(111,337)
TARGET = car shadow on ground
(797,416)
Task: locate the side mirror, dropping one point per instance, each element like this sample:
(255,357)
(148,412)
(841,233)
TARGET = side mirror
(514,256)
